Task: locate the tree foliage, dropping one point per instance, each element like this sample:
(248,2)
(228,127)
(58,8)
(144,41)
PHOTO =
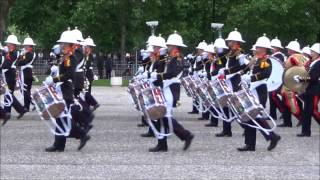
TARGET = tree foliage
(120,24)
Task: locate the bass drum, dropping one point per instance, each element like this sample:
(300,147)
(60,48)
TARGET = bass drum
(275,79)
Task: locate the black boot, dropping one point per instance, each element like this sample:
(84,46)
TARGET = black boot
(6,118)
(246,148)
(159,148)
(211,125)
(54,149)
(274,141)
(285,125)
(224,134)
(188,142)
(147,134)
(83,141)
(303,135)
(193,112)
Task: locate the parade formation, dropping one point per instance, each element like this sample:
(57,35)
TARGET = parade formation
(225,84)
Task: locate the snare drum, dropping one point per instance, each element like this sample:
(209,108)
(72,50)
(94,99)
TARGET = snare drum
(48,102)
(185,82)
(2,88)
(221,91)
(135,89)
(153,103)
(202,91)
(245,105)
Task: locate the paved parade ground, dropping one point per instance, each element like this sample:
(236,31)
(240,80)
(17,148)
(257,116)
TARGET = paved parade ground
(116,150)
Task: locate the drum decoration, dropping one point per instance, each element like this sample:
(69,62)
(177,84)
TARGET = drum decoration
(49,103)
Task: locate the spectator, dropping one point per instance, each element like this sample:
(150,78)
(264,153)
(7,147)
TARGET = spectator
(100,60)
(108,66)
(127,71)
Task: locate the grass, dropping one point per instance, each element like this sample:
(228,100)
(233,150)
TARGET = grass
(100,82)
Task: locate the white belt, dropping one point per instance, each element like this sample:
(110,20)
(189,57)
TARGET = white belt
(26,66)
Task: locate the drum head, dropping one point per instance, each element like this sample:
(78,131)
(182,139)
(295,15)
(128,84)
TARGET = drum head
(289,81)
(157,112)
(54,109)
(275,80)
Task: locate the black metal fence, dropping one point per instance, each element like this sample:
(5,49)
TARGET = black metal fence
(41,69)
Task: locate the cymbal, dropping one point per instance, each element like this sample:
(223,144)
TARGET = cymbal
(290,83)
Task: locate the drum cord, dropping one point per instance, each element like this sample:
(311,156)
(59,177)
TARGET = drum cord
(8,100)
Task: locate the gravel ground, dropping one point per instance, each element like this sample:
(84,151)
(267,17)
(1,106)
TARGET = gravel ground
(116,151)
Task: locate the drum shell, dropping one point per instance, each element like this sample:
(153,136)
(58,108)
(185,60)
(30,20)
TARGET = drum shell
(152,103)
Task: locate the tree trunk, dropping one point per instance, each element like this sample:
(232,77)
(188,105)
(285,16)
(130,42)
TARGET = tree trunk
(124,22)
(4,12)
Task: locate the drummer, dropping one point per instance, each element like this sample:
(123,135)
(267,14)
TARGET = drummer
(312,91)
(66,73)
(218,61)
(158,62)
(25,62)
(8,67)
(274,100)
(261,71)
(236,61)
(197,68)
(171,89)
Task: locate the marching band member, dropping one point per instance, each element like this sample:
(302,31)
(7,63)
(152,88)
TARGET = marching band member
(306,52)
(145,66)
(66,74)
(25,62)
(158,62)
(171,89)
(293,105)
(261,71)
(274,99)
(9,73)
(312,91)
(2,112)
(236,61)
(89,45)
(78,79)
(197,67)
(218,61)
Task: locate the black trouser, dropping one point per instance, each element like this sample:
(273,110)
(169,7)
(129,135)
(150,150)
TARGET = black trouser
(307,113)
(250,132)
(273,107)
(90,99)
(235,80)
(76,130)
(27,89)
(1,112)
(89,87)
(15,103)
(194,108)
(156,125)
(287,119)
(78,81)
(214,120)
(178,130)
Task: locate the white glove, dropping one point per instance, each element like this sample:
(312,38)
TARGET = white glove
(139,76)
(6,49)
(203,74)
(140,70)
(246,78)
(296,78)
(95,77)
(221,71)
(153,75)
(145,75)
(49,80)
(190,69)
